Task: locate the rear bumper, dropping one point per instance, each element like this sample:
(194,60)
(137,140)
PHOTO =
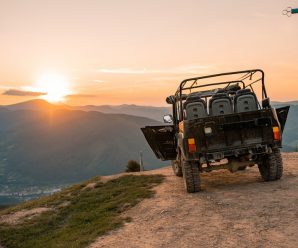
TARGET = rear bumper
(255,149)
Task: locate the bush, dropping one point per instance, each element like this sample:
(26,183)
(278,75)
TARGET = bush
(132,166)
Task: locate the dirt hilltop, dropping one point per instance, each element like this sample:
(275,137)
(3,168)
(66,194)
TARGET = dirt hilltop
(233,210)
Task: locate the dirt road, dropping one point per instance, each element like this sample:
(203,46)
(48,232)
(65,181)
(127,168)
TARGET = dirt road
(233,210)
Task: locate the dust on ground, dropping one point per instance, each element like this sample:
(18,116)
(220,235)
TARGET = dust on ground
(19,216)
(233,210)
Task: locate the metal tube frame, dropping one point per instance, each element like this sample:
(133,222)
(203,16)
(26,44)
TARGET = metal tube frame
(248,73)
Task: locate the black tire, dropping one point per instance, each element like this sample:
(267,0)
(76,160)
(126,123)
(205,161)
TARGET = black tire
(280,167)
(271,166)
(177,168)
(191,176)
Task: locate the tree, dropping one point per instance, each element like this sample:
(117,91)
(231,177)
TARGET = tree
(132,166)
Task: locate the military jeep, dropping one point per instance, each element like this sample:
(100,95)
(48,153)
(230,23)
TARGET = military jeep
(221,121)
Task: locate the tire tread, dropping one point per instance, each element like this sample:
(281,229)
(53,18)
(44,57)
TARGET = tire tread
(271,166)
(191,176)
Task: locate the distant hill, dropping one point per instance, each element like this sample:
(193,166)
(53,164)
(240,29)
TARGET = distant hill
(285,103)
(53,144)
(36,104)
(155,113)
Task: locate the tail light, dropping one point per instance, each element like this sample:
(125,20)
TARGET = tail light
(192,145)
(276,133)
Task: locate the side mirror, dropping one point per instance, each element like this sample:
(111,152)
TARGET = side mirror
(266,103)
(168,119)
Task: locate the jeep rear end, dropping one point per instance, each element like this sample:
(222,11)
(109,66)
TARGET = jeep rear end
(220,124)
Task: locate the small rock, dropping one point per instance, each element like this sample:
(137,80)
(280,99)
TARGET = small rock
(164,211)
(124,207)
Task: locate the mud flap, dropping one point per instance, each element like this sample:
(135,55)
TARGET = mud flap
(282,114)
(162,141)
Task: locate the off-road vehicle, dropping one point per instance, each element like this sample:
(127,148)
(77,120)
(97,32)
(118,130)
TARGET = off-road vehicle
(219,123)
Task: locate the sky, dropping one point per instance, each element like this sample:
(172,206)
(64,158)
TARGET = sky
(137,51)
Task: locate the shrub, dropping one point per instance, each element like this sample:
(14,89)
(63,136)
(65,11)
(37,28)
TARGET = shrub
(132,166)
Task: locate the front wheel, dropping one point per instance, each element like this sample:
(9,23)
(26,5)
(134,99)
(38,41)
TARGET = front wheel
(191,176)
(271,166)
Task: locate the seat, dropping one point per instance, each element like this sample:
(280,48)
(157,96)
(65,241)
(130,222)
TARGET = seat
(220,104)
(245,101)
(195,107)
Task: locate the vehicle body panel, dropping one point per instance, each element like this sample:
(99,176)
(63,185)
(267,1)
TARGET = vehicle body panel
(282,114)
(161,140)
(245,132)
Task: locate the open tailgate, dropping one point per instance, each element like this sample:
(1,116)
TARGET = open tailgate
(161,140)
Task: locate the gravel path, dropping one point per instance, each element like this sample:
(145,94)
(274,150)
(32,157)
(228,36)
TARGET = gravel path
(233,210)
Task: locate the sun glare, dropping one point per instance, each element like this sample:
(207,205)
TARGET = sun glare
(55,87)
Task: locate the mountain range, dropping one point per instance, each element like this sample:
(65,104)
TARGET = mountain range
(290,137)
(155,113)
(41,142)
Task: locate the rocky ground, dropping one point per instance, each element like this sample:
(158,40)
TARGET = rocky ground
(233,210)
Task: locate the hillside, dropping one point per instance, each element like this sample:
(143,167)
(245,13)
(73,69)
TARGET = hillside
(71,145)
(75,216)
(233,210)
(51,145)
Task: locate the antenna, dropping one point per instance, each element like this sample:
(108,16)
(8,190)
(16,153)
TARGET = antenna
(141,161)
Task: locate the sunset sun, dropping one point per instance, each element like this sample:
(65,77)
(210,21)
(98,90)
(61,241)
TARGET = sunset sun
(55,86)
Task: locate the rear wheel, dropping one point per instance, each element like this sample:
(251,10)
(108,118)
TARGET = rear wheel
(191,176)
(280,167)
(271,166)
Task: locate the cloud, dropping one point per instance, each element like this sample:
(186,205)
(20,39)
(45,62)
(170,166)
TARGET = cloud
(188,69)
(80,96)
(98,81)
(191,69)
(15,92)
(121,71)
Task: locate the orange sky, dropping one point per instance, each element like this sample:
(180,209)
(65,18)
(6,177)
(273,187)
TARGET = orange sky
(137,51)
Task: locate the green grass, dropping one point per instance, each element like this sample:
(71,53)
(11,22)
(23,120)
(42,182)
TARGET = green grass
(89,214)
(4,206)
